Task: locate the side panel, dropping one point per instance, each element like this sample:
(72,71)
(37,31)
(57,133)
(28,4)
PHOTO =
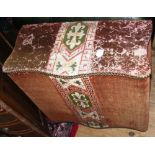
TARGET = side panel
(124,102)
(43,93)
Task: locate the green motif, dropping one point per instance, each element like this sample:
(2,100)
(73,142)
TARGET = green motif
(80,100)
(75,35)
(58,65)
(63,81)
(78,82)
(73,66)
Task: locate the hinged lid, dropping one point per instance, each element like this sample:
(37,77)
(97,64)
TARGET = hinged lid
(74,49)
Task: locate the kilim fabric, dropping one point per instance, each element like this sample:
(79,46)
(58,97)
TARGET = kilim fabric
(96,73)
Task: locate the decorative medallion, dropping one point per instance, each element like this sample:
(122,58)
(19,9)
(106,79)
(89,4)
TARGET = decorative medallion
(75,35)
(80,100)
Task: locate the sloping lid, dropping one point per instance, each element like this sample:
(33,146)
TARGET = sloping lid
(109,47)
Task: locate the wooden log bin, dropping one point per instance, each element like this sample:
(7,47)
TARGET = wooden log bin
(96,73)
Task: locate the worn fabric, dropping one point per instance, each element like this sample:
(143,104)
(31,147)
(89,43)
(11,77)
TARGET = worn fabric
(92,73)
(77,48)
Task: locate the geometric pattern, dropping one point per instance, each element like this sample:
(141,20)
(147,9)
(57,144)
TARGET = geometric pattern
(72,49)
(82,101)
(70,56)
